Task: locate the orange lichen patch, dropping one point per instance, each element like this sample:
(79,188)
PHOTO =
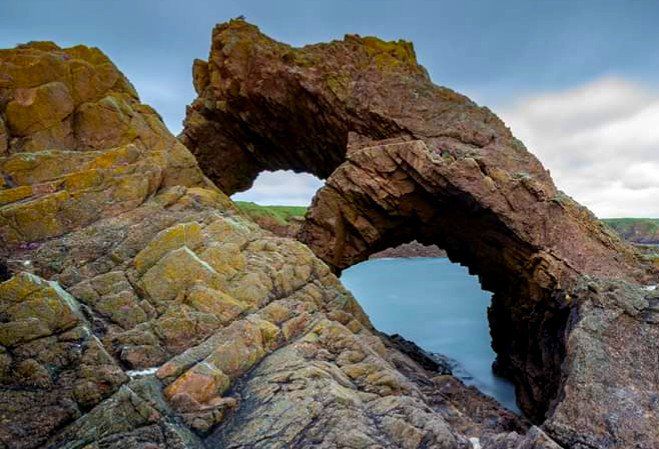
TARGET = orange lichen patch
(198,386)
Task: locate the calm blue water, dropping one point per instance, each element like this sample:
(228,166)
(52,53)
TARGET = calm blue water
(439,306)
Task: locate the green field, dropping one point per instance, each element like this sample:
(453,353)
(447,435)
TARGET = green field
(282,214)
(649,223)
(641,230)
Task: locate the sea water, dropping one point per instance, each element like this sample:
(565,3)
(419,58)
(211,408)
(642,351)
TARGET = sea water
(439,306)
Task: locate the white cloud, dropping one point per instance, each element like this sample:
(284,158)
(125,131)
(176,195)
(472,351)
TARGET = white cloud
(283,187)
(600,141)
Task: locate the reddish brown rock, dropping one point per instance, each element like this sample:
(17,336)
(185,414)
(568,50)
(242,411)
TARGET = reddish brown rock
(405,159)
(407,250)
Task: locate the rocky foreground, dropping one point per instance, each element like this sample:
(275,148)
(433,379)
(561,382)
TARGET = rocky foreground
(141,309)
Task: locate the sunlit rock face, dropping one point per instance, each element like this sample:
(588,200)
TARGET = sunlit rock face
(405,159)
(140,309)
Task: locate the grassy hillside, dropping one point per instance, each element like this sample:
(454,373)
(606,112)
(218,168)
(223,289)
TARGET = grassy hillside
(281,214)
(638,230)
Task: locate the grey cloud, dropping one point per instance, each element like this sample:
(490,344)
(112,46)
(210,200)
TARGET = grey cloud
(600,141)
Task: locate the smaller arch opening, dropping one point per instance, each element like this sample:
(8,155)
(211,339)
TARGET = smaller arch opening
(278,200)
(282,188)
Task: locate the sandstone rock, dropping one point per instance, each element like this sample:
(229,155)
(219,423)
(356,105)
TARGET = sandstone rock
(228,231)
(61,101)
(128,420)
(180,327)
(187,234)
(200,75)
(236,356)
(33,308)
(38,108)
(56,367)
(178,270)
(225,258)
(197,386)
(112,295)
(411,249)
(215,302)
(3,138)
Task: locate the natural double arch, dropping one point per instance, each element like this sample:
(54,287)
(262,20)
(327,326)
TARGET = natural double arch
(404,159)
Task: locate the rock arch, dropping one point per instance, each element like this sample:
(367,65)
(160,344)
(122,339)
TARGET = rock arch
(406,159)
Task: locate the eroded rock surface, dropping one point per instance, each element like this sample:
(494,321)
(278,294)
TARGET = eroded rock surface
(140,309)
(405,159)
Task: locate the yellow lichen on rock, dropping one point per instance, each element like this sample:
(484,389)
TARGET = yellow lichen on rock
(33,308)
(215,302)
(176,271)
(3,138)
(228,231)
(225,258)
(38,108)
(12,195)
(389,54)
(72,126)
(33,220)
(184,234)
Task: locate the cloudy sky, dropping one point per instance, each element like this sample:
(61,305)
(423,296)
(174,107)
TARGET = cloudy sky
(577,81)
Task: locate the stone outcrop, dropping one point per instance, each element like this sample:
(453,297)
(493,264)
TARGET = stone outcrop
(410,249)
(140,309)
(403,159)
(77,143)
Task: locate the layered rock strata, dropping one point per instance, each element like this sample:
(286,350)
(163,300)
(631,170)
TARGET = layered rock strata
(404,159)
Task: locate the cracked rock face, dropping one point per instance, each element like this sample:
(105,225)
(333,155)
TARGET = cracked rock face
(404,159)
(140,309)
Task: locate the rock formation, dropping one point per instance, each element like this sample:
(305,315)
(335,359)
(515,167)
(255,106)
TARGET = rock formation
(140,309)
(403,159)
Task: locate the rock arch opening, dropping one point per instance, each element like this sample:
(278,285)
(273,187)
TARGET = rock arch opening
(278,200)
(404,159)
(281,187)
(375,201)
(437,305)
